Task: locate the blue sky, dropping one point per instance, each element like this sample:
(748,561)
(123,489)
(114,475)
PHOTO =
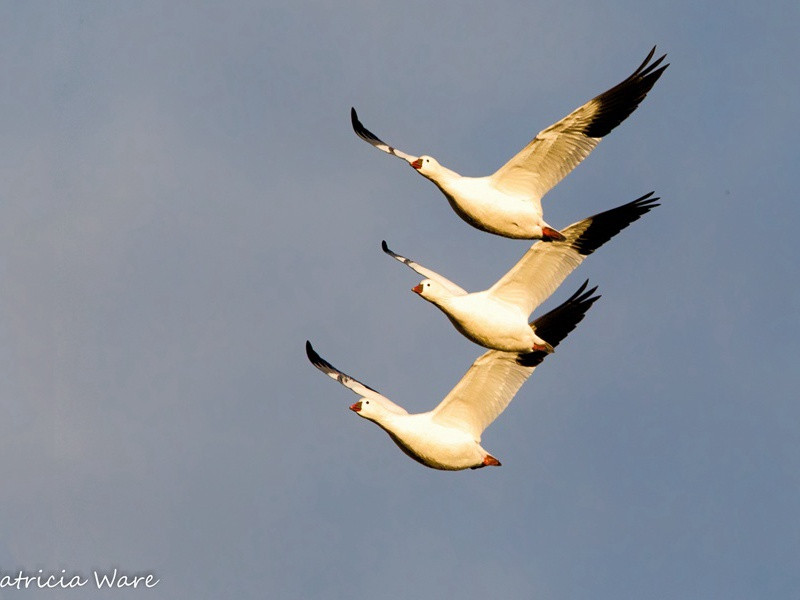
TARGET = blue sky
(184,203)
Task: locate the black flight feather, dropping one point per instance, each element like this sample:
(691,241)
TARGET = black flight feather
(606,225)
(621,100)
(555,325)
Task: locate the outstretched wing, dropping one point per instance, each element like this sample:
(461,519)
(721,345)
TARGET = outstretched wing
(546,264)
(366,135)
(353,384)
(427,273)
(495,377)
(555,151)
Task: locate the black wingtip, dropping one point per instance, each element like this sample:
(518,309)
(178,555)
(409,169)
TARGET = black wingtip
(387,250)
(312,355)
(555,325)
(617,103)
(607,224)
(361,131)
(316,360)
(650,67)
(357,125)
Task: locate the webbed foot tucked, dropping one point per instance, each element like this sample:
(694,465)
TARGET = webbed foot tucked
(551,235)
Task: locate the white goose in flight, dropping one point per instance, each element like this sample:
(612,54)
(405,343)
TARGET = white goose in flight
(509,202)
(497,318)
(448,437)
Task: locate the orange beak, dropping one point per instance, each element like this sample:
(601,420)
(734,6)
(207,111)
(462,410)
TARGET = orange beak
(417,289)
(417,164)
(356,407)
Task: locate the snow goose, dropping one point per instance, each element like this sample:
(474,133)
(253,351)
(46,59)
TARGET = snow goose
(509,202)
(448,437)
(497,318)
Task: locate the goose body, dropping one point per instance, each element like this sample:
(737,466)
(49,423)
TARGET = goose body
(509,201)
(497,317)
(449,436)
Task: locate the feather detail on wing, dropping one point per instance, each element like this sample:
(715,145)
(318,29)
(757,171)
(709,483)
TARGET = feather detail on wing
(558,149)
(495,377)
(427,273)
(369,137)
(353,384)
(483,392)
(559,322)
(546,264)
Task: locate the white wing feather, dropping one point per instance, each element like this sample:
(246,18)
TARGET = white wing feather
(483,392)
(539,272)
(548,158)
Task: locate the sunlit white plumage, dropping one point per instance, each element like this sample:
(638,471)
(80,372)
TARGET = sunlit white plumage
(497,318)
(508,202)
(448,437)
